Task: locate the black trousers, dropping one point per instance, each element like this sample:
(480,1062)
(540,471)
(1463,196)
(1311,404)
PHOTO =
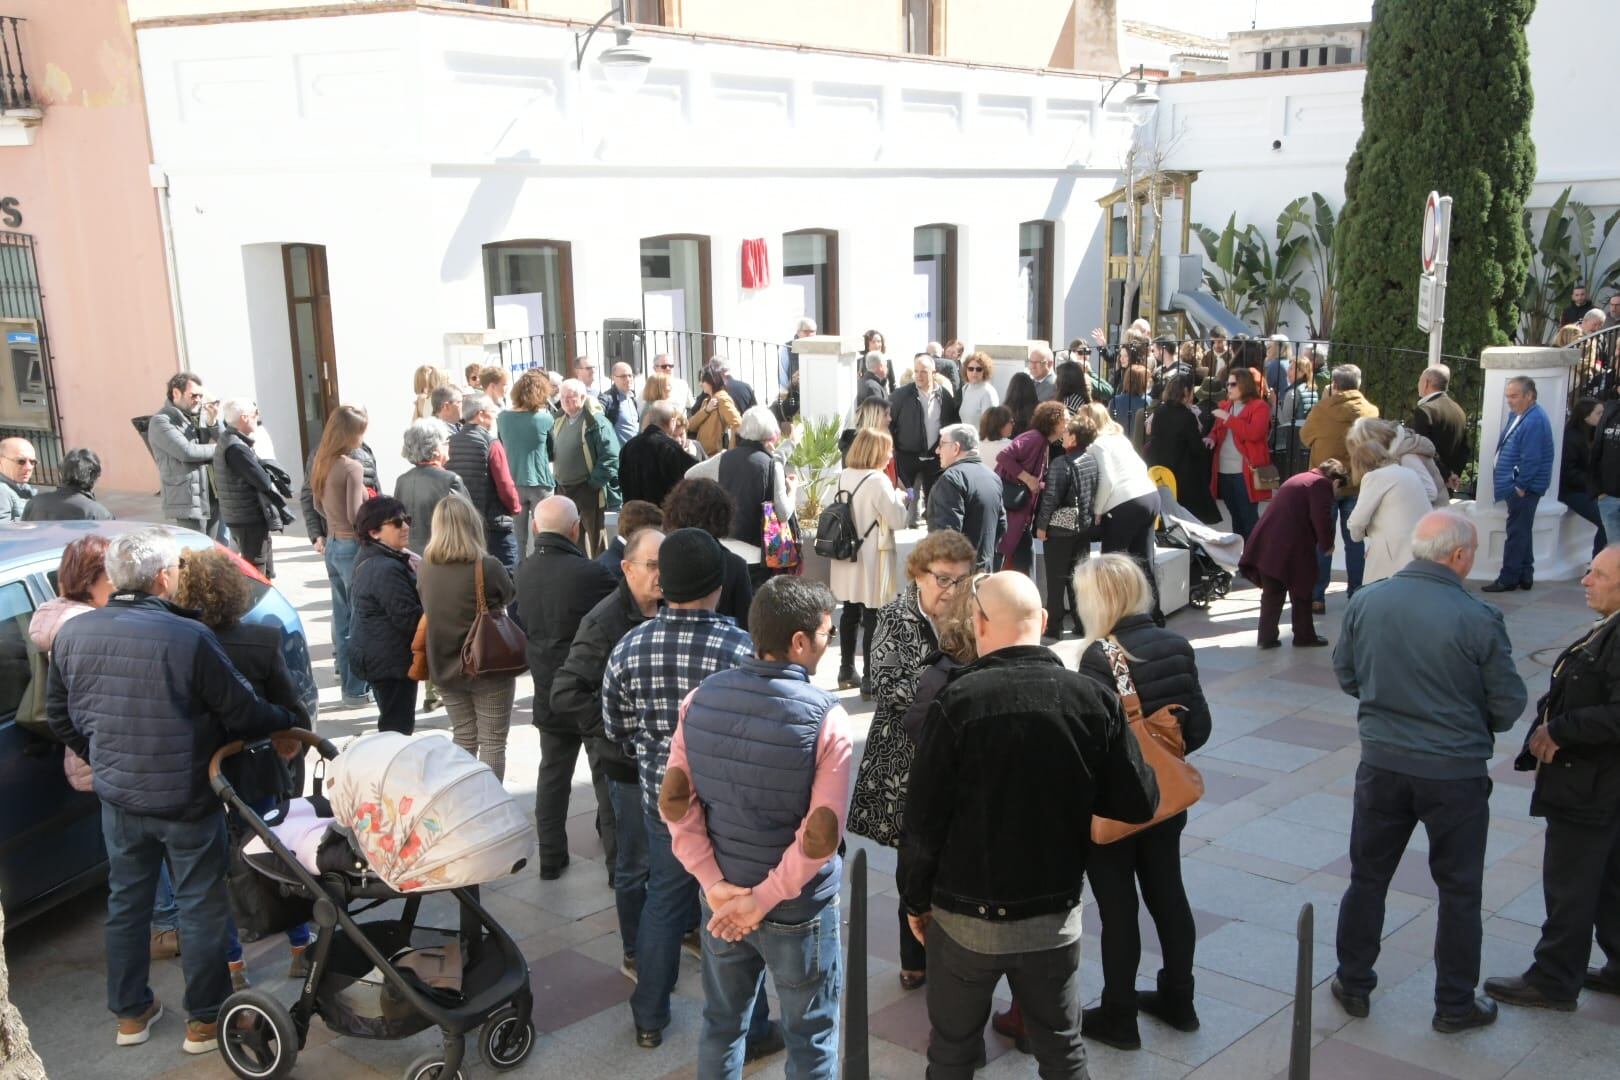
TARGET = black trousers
(913,955)
(1153,858)
(558,754)
(1272,594)
(856,620)
(1128,528)
(1456,814)
(253,543)
(917,470)
(1045,984)
(1580,880)
(1062,553)
(396,704)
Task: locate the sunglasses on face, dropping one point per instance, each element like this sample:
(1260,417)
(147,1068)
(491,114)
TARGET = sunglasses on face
(975,367)
(1231,384)
(398,522)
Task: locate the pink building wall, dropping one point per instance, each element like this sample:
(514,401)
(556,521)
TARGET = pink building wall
(85,194)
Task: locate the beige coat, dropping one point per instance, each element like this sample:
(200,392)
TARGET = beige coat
(1391,501)
(872,579)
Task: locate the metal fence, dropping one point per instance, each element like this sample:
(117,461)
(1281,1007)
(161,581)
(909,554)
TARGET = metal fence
(1389,379)
(1594,376)
(47,448)
(761,364)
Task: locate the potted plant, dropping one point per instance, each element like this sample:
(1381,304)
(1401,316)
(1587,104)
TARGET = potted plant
(817,460)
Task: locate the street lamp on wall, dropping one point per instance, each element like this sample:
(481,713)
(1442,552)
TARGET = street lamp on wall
(1141,103)
(624,65)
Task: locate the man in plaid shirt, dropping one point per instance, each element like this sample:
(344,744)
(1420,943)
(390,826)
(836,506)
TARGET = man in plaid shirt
(649,673)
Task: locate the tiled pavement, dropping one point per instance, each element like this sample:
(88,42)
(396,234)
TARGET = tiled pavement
(1270,835)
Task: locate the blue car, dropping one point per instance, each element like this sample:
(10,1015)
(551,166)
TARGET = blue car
(50,835)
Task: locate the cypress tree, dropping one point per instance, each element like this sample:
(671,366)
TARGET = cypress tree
(1446,108)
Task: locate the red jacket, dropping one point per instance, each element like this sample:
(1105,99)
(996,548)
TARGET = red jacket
(1252,429)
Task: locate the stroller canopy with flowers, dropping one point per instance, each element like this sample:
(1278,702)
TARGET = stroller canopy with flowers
(426,814)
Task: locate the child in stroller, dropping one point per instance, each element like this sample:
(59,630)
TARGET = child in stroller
(408,816)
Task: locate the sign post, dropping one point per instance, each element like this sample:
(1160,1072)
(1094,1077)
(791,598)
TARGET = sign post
(1436,252)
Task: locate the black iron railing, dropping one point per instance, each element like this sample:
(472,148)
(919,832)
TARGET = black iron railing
(15,90)
(1594,376)
(47,449)
(761,364)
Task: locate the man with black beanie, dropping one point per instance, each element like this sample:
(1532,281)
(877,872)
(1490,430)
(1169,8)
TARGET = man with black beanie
(649,673)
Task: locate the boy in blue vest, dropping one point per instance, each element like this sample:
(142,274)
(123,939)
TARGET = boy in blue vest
(754,794)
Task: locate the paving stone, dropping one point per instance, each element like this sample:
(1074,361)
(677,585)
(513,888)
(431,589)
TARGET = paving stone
(1265,753)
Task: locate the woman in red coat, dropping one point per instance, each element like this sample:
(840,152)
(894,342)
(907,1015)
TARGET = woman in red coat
(1280,554)
(1241,439)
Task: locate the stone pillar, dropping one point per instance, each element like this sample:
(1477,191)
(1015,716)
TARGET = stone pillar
(828,370)
(1009,358)
(1562,541)
(462,347)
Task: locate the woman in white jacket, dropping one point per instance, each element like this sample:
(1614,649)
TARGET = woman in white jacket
(1127,500)
(978,393)
(1391,501)
(1414,452)
(870,581)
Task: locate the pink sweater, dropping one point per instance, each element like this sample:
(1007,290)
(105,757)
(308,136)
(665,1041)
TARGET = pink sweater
(830,789)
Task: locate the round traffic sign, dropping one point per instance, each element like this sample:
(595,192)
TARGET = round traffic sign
(1431,232)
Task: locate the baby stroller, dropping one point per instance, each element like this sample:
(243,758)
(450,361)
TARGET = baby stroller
(1208,581)
(406,816)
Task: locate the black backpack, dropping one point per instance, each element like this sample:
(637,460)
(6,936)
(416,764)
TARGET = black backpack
(835,529)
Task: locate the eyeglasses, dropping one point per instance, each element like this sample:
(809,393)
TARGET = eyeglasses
(397,522)
(975,367)
(24,460)
(665,367)
(976,601)
(584,367)
(650,564)
(1234,382)
(945,582)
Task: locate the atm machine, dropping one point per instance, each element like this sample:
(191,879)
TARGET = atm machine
(24,397)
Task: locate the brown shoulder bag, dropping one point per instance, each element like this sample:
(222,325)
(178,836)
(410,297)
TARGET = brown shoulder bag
(494,645)
(1159,738)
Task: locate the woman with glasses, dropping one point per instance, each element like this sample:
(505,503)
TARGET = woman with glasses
(905,637)
(1113,597)
(386,611)
(1239,440)
(978,392)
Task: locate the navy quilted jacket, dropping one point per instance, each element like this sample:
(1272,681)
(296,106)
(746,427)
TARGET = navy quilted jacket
(144,692)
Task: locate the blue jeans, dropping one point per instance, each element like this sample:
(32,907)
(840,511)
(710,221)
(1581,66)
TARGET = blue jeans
(669,911)
(1518,556)
(804,960)
(1355,554)
(629,860)
(1587,507)
(1234,492)
(1608,508)
(137,847)
(340,572)
(504,546)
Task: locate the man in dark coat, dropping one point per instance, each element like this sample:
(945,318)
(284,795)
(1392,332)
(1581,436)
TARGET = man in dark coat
(1438,418)
(249,503)
(634,516)
(652,463)
(967,495)
(874,379)
(143,691)
(1574,748)
(1281,553)
(557,586)
(576,697)
(917,412)
(1580,303)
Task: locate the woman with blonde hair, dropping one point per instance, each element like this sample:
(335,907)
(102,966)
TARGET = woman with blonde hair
(495,382)
(338,481)
(428,379)
(978,393)
(480,707)
(867,583)
(1127,500)
(1391,500)
(655,388)
(525,431)
(1114,599)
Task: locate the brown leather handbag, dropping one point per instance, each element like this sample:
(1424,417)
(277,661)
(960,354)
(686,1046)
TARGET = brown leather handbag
(419,661)
(1159,738)
(494,645)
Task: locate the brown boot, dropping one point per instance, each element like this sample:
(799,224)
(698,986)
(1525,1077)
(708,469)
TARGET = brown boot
(165,944)
(299,968)
(1010,1025)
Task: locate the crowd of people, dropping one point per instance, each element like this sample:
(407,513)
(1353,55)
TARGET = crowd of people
(681,660)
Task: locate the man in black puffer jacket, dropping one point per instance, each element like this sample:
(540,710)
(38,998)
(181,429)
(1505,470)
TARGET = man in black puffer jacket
(1574,748)
(576,697)
(557,587)
(143,691)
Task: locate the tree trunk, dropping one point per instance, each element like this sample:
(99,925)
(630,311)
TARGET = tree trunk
(17,1058)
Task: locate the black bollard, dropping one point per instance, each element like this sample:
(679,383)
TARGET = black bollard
(1299,1047)
(857,1054)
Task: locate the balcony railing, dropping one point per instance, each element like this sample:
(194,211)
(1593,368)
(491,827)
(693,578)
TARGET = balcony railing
(15,90)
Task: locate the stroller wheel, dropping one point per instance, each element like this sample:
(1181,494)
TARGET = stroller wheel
(506,1039)
(256,1036)
(430,1066)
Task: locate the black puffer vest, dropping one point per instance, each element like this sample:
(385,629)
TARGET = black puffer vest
(469,459)
(239,503)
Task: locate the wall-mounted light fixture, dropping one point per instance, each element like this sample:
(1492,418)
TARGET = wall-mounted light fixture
(624,65)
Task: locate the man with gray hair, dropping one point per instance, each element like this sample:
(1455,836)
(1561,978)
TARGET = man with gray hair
(967,495)
(1438,418)
(653,462)
(1432,698)
(446,404)
(249,502)
(1040,369)
(787,370)
(1327,426)
(742,395)
(1522,474)
(427,483)
(874,381)
(479,458)
(585,461)
(143,691)
(917,412)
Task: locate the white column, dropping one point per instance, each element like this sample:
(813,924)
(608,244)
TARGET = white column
(1562,542)
(1009,358)
(827,376)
